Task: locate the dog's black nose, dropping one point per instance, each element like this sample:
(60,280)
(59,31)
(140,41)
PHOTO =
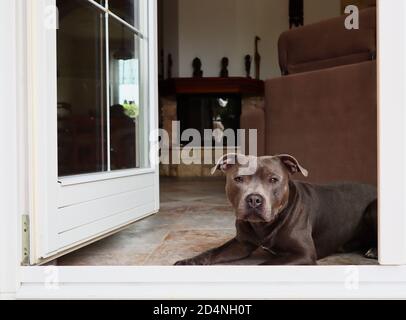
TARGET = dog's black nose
(254,200)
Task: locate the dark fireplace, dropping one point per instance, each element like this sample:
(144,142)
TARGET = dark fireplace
(206,103)
(209,111)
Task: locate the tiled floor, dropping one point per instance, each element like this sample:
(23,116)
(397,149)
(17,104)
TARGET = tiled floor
(194,217)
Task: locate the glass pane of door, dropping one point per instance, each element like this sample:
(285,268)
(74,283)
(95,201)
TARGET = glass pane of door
(81,74)
(127,10)
(124,96)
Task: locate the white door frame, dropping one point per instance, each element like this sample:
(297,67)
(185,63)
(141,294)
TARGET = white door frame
(219,282)
(10,200)
(392,130)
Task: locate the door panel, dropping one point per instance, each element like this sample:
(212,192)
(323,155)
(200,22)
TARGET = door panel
(72,216)
(69,195)
(101,227)
(94,107)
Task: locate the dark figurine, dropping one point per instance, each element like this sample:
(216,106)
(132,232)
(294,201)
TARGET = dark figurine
(170,65)
(257,59)
(224,66)
(248,61)
(296,13)
(162,65)
(197,68)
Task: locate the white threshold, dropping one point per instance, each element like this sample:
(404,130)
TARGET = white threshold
(216,282)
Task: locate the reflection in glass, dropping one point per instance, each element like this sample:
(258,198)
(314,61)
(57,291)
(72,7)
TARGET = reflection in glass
(124,96)
(209,111)
(127,10)
(81,88)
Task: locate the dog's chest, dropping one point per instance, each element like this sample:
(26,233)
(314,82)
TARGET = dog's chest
(261,232)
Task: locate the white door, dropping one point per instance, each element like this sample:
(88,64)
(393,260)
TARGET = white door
(92,104)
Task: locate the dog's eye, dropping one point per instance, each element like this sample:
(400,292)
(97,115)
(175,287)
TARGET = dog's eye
(239,179)
(273,180)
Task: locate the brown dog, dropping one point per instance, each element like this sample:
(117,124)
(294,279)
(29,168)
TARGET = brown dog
(296,222)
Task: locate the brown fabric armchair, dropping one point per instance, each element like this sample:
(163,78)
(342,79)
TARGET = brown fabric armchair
(323,110)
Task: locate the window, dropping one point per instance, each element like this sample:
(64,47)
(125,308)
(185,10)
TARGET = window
(100,97)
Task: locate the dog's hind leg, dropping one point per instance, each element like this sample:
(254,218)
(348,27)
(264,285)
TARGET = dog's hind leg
(372,253)
(371,221)
(366,235)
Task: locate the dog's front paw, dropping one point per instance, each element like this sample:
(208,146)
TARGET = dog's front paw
(182,263)
(190,262)
(186,262)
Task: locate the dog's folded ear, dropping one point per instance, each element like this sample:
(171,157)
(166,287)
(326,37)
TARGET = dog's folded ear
(226,162)
(292,164)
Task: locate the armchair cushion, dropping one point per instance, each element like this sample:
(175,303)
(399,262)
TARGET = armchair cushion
(328,44)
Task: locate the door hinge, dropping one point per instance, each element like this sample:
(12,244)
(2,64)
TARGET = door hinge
(26,239)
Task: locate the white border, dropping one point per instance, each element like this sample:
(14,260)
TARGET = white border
(232,282)
(392,131)
(224,282)
(9,200)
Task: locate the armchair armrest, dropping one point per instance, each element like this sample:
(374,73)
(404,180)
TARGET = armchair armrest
(328,119)
(253,117)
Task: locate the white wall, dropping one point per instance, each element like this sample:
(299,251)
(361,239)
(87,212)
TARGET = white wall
(212,29)
(317,10)
(170,37)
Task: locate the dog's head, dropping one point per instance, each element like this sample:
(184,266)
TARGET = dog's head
(258,188)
